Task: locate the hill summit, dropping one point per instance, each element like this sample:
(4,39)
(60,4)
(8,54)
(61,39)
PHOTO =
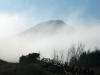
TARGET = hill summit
(47,28)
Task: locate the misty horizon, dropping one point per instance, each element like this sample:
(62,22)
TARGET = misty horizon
(46,37)
(45,26)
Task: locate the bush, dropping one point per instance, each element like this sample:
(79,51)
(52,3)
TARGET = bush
(31,58)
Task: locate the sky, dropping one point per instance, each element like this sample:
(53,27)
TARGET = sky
(17,16)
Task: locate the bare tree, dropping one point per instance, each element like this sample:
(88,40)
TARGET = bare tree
(58,56)
(61,56)
(55,56)
(74,53)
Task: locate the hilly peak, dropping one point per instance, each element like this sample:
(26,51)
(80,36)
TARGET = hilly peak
(50,23)
(55,22)
(48,27)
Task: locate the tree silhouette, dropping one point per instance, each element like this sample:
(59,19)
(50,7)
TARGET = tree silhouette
(30,58)
(91,59)
(74,53)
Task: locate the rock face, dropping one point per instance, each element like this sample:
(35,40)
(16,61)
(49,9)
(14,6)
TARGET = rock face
(45,28)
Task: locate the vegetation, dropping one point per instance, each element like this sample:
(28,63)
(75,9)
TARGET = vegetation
(89,59)
(78,62)
(31,58)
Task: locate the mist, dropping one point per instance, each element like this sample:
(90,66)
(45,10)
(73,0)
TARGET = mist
(76,30)
(13,47)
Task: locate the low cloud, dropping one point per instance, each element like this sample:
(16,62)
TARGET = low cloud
(77,30)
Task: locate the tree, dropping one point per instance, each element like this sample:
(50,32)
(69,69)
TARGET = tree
(74,53)
(30,58)
(90,59)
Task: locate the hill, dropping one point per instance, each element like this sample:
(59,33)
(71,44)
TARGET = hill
(25,69)
(46,28)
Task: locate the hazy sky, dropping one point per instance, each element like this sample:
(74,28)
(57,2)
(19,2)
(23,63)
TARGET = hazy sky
(18,15)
